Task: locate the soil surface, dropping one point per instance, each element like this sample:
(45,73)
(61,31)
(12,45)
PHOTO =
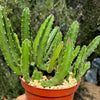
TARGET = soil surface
(65,84)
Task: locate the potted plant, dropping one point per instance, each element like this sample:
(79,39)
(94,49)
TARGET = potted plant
(58,65)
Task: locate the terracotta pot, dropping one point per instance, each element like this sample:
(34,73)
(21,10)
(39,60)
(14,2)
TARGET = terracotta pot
(33,93)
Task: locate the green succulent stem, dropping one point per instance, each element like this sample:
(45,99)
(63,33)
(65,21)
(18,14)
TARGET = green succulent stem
(64,67)
(43,43)
(57,39)
(17,42)
(84,67)
(26,44)
(51,37)
(72,32)
(25,25)
(37,75)
(92,46)
(38,38)
(54,57)
(13,45)
(5,45)
(79,60)
(76,51)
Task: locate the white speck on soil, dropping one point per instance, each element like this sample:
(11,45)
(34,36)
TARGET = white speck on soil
(65,84)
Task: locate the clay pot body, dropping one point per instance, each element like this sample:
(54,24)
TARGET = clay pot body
(33,93)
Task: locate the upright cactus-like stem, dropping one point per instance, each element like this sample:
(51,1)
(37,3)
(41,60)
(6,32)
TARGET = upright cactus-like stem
(54,57)
(38,38)
(25,29)
(64,67)
(37,75)
(51,38)
(25,26)
(13,44)
(76,51)
(43,44)
(17,42)
(84,53)
(55,42)
(72,34)
(92,46)
(5,45)
(79,60)
(84,67)
(25,59)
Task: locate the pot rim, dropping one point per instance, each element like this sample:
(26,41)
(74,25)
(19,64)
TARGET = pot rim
(49,89)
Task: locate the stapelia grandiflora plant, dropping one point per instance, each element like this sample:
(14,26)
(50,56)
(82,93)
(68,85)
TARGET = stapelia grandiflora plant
(47,53)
